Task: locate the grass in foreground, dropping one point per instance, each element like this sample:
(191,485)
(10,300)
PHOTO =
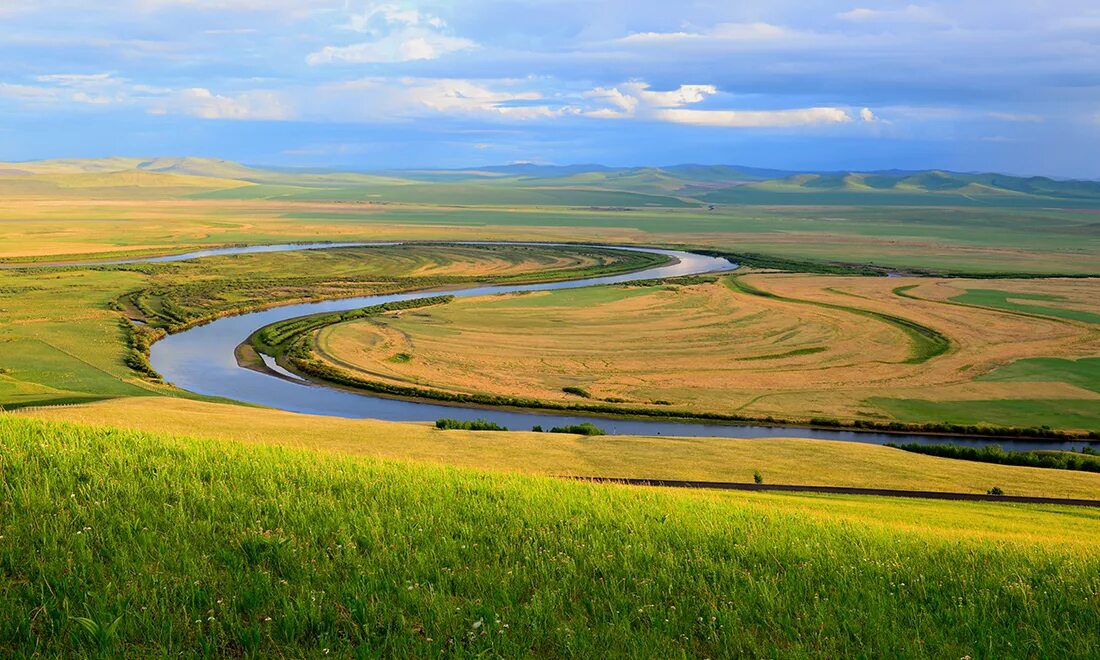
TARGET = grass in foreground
(783,460)
(116,542)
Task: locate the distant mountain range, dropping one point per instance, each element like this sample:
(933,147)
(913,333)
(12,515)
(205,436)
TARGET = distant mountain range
(532,184)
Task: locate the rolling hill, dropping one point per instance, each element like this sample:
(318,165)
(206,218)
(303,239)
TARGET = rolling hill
(543,185)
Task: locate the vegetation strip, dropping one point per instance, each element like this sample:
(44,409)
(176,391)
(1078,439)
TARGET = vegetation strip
(1085,461)
(927,342)
(839,490)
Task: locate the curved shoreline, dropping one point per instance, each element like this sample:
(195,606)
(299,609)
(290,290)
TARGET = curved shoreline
(203,360)
(272,366)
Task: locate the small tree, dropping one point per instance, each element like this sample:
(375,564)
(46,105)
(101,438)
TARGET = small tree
(996,490)
(757,477)
(537,428)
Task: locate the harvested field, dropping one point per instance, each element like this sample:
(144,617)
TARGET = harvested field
(789,346)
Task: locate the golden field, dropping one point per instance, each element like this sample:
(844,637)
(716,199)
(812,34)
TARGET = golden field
(808,350)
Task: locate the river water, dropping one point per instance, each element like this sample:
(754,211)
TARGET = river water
(202,360)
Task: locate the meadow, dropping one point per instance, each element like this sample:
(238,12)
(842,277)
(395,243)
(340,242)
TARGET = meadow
(137,519)
(792,347)
(980,241)
(154,545)
(63,338)
(780,460)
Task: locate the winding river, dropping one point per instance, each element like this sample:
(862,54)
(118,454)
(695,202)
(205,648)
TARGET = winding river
(202,360)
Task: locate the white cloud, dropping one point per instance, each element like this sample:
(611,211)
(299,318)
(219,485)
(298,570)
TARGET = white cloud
(635,100)
(391,15)
(387,99)
(75,79)
(29,93)
(79,88)
(866,114)
(635,97)
(755,118)
(397,34)
(1016,117)
(201,102)
(745,32)
(906,14)
(404,46)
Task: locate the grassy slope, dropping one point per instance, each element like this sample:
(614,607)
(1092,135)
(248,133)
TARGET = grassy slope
(200,547)
(808,462)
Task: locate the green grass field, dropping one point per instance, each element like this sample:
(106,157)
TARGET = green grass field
(1022,302)
(138,521)
(116,543)
(1024,413)
(1084,372)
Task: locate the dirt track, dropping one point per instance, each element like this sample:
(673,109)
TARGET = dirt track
(842,490)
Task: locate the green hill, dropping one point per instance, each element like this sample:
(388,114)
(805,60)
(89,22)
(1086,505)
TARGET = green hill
(114,543)
(528,184)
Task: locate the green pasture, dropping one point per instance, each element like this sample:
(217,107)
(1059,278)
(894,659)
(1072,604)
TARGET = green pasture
(1084,372)
(1081,414)
(118,543)
(1022,302)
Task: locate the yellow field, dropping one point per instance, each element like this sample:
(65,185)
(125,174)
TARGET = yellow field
(717,348)
(790,461)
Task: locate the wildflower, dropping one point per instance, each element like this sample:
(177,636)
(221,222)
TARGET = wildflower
(267,618)
(479,623)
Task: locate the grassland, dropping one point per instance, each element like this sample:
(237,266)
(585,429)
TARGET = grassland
(61,340)
(792,347)
(979,241)
(143,545)
(938,221)
(781,461)
(267,533)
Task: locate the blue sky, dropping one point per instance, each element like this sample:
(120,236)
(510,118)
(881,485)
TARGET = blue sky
(1006,85)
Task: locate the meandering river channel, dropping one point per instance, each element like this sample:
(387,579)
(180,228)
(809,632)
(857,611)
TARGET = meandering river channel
(202,360)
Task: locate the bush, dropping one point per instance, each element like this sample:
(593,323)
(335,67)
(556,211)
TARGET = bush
(1059,460)
(537,428)
(757,477)
(996,490)
(448,424)
(588,428)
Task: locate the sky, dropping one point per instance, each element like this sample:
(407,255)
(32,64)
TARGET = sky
(992,85)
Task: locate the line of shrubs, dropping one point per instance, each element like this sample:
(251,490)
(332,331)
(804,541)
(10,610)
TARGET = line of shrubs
(138,340)
(448,424)
(1087,460)
(839,268)
(587,428)
(317,369)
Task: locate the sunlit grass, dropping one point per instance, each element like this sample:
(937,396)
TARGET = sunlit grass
(115,542)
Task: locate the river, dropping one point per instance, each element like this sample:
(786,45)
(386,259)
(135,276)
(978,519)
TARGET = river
(202,360)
